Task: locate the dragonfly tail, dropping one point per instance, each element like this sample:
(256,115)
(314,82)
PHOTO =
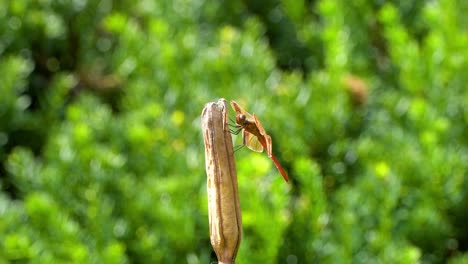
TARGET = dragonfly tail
(280,168)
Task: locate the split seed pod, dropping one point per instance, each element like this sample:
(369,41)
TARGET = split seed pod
(223,197)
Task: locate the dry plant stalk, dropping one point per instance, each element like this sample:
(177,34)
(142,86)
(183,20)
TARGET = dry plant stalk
(223,197)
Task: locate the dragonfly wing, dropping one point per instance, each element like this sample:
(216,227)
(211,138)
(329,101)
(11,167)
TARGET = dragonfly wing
(251,141)
(268,143)
(240,110)
(259,125)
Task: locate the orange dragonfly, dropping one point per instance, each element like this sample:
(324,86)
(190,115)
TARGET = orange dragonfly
(254,135)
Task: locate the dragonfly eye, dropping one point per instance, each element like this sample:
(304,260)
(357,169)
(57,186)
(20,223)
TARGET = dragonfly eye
(240,119)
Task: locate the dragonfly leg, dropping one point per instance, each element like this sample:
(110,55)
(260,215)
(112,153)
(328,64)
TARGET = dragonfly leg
(236,148)
(235,128)
(235,131)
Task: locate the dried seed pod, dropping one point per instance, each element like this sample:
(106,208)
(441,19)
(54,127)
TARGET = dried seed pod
(223,197)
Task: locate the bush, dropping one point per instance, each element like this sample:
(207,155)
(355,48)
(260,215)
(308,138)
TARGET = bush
(102,156)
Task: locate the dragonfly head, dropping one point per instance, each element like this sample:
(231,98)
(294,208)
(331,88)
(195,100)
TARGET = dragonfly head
(240,119)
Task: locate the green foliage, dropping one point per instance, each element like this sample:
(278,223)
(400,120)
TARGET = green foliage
(101,155)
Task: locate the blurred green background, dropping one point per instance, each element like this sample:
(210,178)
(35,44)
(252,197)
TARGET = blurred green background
(101,152)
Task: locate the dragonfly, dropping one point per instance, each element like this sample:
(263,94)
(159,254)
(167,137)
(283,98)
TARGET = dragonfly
(254,135)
